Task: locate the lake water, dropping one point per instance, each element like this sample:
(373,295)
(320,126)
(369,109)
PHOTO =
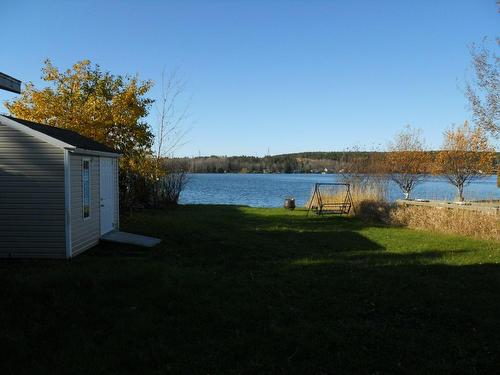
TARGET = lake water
(270,190)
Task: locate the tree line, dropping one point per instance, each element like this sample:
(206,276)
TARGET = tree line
(307,162)
(328,162)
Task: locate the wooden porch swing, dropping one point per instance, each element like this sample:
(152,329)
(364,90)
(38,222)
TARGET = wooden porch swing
(331,198)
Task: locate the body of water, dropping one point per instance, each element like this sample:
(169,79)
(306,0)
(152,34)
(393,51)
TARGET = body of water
(270,190)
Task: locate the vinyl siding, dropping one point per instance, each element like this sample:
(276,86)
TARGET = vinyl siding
(32,212)
(85,233)
(117,194)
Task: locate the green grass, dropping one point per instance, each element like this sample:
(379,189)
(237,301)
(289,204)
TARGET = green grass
(243,290)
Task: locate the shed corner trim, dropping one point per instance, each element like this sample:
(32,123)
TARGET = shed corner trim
(67,203)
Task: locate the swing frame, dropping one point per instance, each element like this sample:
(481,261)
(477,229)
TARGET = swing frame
(321,207)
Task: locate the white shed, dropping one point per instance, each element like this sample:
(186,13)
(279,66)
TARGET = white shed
(58,190)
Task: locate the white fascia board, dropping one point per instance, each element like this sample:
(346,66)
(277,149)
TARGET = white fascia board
(67,204)
(27,130)
(83,151)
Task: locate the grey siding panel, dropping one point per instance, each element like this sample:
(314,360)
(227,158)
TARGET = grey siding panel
(31,197)
(85,233)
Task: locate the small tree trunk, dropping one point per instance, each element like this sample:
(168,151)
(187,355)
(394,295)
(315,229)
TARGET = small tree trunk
(407,194)
(460,190)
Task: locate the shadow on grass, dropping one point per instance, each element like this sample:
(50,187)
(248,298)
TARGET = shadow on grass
(238,290)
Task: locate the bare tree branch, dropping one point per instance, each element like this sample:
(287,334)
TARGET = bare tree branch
(483,91)
(172,113)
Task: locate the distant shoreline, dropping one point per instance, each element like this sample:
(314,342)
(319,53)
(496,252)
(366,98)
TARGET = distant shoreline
(297,163)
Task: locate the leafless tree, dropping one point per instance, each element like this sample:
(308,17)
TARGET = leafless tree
(172,113)
(360,168)
(483,91)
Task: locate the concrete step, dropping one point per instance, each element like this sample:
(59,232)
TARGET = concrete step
(130,238)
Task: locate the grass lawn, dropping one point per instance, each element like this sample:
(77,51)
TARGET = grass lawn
(243,290)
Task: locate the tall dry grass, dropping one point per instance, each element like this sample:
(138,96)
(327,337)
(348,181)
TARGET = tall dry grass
(447,220)
(370,199)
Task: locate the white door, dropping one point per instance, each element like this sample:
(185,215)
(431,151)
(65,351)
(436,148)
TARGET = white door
(108,191)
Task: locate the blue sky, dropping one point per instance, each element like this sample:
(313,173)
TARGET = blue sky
(287,76)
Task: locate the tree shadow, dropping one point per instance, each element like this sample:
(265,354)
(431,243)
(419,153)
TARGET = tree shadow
(236,292)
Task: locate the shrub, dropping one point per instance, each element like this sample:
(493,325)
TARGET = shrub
(169,188)
(135,190)
(373,210)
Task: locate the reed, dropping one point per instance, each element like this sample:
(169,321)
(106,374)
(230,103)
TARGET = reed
(447,220)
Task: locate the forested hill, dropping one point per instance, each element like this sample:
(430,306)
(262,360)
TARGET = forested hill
(327,155)
(303,162)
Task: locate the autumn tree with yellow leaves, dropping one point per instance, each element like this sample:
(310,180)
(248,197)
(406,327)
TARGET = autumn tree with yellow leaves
(466,155)
(108,108)
(407,162)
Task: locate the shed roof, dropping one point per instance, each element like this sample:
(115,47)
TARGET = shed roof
(64,135)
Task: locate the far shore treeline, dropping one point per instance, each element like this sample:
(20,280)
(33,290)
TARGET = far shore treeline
(304,162)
